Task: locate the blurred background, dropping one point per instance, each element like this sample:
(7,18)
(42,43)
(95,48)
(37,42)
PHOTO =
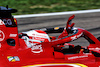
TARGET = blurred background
(48,6)
(88,21)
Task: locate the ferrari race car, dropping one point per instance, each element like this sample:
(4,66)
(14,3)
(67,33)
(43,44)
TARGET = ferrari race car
(35,48)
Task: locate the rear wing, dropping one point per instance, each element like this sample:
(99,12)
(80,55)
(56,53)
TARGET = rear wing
(7,10)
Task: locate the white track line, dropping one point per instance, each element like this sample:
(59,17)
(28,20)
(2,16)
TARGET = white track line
(57,13)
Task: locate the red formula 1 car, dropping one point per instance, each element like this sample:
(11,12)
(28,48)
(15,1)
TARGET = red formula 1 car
(35,48)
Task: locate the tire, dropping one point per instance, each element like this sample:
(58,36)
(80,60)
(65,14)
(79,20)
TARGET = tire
(98,38)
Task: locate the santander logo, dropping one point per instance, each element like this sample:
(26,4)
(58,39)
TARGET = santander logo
(2,36)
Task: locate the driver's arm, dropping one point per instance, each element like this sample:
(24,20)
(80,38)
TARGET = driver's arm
(68,28)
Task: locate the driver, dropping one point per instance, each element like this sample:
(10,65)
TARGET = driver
(69,29)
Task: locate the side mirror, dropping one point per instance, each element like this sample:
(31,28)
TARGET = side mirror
(11,42)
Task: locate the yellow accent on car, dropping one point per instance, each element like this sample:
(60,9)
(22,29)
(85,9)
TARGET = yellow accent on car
(54,64)
(56,28)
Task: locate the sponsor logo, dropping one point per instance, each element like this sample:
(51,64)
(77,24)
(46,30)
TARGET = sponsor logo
(2,36)
(7,21)
(13,58)
(13,35)
(77,57)
(95,49)
(37,48)
(76,36)
(41,35)
(58,65)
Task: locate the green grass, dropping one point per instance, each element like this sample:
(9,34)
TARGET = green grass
(47,6)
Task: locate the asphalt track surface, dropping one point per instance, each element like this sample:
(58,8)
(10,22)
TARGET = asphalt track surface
(88,21)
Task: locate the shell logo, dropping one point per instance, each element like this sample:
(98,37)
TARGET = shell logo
(37,48)
(58,65)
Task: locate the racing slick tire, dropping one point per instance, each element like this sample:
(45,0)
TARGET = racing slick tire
(98,38)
